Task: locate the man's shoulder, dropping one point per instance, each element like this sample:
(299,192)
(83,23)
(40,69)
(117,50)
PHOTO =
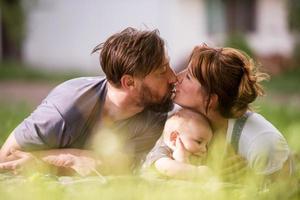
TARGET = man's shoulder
(82,82)
(77,86)
(78,95)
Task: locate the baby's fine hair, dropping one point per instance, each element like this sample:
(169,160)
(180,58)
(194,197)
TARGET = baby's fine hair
(181,118)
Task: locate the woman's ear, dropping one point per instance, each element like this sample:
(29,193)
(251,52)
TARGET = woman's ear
(173,137)
(127,81)
(214,102)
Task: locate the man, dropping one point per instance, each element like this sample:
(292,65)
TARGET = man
(132,99)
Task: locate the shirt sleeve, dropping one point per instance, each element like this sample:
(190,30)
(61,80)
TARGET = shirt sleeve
(160,150)
(268,153)
(43,129)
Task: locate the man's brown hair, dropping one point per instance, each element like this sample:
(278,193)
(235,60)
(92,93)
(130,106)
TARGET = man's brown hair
(131,52)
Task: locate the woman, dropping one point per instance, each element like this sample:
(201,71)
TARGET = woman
(221,83)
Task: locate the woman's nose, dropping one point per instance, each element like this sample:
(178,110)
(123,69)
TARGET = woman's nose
(181,75)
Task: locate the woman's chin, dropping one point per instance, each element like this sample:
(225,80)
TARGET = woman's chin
(177,101)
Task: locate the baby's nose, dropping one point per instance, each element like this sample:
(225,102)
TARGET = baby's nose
(203,149)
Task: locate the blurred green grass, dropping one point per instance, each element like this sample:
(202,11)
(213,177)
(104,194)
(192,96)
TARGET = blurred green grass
(12,70)
(285,83)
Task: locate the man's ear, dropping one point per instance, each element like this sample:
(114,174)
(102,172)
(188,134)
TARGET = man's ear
(173,137)
(127,81)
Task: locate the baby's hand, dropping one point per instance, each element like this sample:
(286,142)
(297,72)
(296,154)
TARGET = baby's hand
(180,153)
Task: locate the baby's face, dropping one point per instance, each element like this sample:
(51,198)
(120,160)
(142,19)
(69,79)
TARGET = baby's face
(195,138)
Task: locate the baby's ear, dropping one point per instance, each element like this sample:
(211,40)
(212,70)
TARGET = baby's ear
(173,137)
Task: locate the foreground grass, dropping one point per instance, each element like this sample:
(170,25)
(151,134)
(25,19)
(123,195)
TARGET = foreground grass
(130,187)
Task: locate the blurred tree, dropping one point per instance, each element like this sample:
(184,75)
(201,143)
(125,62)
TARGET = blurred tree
(238,41)
(294,22)
(12,29)
(294,14)
(240,15)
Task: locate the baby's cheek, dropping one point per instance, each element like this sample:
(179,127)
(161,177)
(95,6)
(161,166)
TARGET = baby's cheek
(193,149)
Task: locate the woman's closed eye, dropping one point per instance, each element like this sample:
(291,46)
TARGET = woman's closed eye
(188,76)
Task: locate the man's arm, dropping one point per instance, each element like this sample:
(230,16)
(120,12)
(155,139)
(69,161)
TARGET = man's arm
(12,158)
(82,161)
(9,146)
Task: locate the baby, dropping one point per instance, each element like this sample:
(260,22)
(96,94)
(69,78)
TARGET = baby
(182,147)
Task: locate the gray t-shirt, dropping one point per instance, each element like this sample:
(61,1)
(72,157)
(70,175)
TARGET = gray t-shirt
(160,150)
(67,116)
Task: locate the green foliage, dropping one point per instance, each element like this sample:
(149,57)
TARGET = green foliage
(19,71)
(296,53)
(10,116)
(286,83)
(238,41)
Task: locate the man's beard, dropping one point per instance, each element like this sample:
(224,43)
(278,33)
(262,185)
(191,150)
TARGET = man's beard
(149,101)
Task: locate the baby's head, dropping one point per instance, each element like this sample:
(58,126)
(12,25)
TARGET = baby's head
(193,129)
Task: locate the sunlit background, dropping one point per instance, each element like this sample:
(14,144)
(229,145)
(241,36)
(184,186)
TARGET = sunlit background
(59,35)
(45,42)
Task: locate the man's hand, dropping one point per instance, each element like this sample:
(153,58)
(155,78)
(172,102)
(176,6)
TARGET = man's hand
(19,160)
(180,154)
(83,165)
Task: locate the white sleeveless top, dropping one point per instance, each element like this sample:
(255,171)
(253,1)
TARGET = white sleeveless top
(261,144)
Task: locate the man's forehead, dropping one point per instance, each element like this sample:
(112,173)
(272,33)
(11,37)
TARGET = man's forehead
(161,68)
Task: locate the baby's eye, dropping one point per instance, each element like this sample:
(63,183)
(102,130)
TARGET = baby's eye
(199,142)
